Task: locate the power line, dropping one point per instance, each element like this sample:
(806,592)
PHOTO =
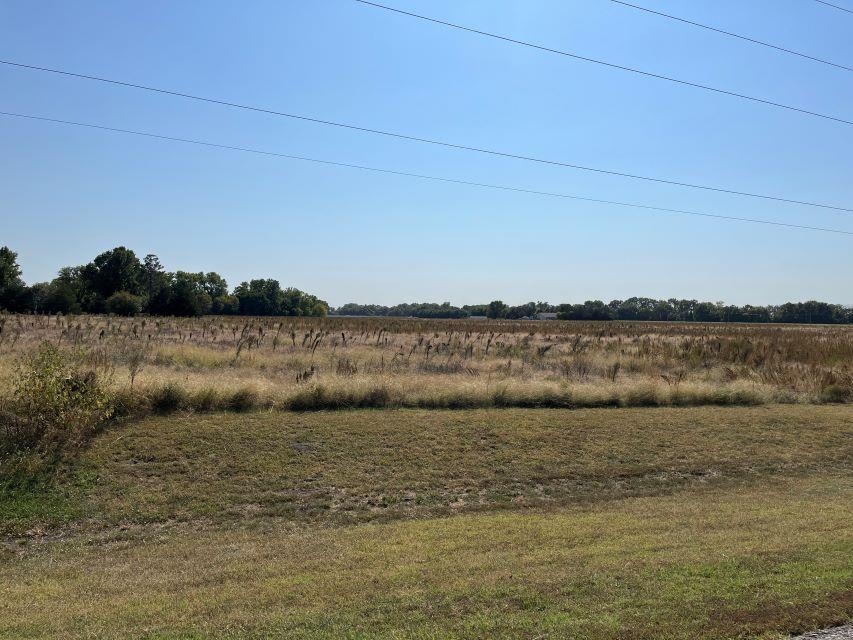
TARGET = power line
(834,6)
(734,35)
(421,176)
(612,65)
(441,143)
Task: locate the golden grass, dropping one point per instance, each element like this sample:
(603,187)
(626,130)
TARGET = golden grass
(680,522)
(311,363)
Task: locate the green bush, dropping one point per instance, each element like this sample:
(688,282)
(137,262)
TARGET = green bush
(168,398)
(123,303)
(55,406)
(243,400)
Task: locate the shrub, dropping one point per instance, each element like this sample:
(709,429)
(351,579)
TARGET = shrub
(55,405)
(243,400)
(836,393)
(170,397)
(123,303)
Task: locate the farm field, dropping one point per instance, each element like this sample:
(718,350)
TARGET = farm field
(426,321)
(216,505)
(325,363)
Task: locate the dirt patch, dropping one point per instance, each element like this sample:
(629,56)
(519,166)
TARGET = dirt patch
(837,633)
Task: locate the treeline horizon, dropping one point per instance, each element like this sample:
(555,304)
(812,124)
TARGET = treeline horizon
(118,282)
(636,308)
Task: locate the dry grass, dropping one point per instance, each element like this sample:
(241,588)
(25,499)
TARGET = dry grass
(311,363)
(711,522)
(708,563)
(218,516)
(355,466)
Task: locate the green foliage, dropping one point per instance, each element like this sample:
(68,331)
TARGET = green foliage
(695,311)
(528,310)
(225,305)
(123,303)
(12,287)
(55,405)
(265,297)
(90,287)
(57,297)
(404,310)
(116,270)
(497,309)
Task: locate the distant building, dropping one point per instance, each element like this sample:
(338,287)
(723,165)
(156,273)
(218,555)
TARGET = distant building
(546,316)
(478,317)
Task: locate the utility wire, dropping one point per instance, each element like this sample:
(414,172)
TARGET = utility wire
(612,65)
(422,176)
(734,35)
(834,6)
(441,143)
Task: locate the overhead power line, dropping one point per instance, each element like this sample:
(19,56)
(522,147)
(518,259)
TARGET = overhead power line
(834,6)
(422,176)
(441,143)
(734,35)
(611,65)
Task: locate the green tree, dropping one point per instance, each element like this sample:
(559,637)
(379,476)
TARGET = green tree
(12,287)
(225,305)
(115,270)
(123,303)
(497,309)
(60,298)
(214,285)
(153,277)
(260,297)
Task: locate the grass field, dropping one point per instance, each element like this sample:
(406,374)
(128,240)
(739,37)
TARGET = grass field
(158,364)
(702,522)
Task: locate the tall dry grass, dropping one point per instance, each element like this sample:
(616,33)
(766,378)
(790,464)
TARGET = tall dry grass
(211,363)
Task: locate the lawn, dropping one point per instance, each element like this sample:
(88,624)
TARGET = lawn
(712,522)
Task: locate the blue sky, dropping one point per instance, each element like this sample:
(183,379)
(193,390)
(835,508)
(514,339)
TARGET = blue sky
(67,194)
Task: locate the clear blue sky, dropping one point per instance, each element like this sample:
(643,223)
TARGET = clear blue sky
(67,194)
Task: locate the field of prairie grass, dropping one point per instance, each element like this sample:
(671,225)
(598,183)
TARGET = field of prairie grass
(398,478)
(326,363)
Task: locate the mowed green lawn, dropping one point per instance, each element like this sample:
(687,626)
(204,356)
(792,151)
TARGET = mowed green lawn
(614,523)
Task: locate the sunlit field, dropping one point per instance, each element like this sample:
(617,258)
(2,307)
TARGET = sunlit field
(400,478)
(314,363)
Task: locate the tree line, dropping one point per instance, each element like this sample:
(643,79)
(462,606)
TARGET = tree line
(672,310)
(118,282)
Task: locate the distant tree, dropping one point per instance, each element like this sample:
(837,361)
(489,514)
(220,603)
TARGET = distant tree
(476,309)
(153,277)
(706,312)
(183,297)
(497,309)
(522,311)
(589,310)
(225,305)
(61,297)
(354,309)
(12,287)
(298,303)
(124,303)
(214,285)
(36,295)
(112,271)
(259,297)
(426,310)
(182,294)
